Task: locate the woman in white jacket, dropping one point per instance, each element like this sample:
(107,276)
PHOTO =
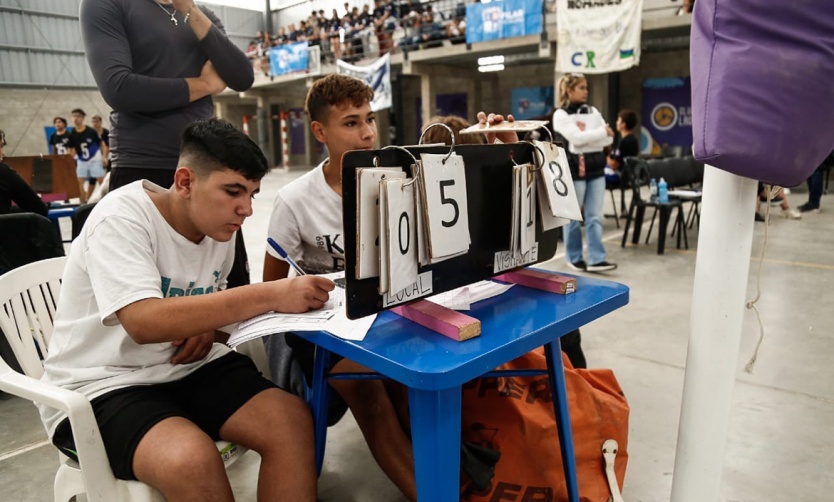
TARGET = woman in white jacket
(586,134)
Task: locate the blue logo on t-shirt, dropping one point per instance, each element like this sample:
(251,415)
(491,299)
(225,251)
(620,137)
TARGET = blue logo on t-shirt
(169,292)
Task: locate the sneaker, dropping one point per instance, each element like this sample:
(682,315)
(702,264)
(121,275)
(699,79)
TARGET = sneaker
(791,214)
(808,208)
(602,266)
(580,265)
(759,217)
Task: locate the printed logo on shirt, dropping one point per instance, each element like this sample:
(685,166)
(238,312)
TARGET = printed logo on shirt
(330,244)
(191,290)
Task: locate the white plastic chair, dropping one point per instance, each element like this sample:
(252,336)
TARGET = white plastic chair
(28,298)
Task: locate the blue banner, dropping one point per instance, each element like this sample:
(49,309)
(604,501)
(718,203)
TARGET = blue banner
(502,19)
(288,58)
(532,102)
(667,113)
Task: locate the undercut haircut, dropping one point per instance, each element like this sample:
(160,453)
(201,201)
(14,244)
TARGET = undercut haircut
(216,144)
(334,90)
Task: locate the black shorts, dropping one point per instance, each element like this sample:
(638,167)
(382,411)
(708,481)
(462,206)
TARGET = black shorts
(206,397)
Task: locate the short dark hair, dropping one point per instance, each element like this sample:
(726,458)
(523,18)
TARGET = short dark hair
(62,119)
(334,90)
(79,111)
(441,134)
(629,118)
(215,144)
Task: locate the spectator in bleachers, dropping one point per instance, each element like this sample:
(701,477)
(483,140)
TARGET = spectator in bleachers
(292,34)
(385,21)
(334,25)
(280,38)
(456,30)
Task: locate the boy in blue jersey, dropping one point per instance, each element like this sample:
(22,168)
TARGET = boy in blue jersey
(90,152)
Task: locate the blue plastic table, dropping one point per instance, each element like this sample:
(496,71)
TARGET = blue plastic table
(434,368)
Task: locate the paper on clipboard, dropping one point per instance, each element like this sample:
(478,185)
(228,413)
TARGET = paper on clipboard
(518,125)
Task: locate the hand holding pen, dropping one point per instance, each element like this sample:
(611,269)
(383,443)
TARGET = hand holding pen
(283,254)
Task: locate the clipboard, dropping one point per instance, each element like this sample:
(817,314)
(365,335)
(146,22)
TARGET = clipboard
(489,176)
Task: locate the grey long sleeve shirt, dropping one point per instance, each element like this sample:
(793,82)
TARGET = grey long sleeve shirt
(140,61)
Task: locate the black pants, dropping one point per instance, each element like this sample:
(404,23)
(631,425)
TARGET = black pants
(121,176)
(571,345)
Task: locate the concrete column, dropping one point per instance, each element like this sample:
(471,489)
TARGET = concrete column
(221,109)
(598,92)
(383,125)
(427,95)
(261,117)
(473,99)
(310,154)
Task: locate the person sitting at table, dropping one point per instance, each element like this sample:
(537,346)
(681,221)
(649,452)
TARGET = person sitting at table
(307,222)
(144,291)
(14,190)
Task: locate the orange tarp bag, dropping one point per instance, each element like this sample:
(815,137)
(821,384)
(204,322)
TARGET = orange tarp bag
(514,415)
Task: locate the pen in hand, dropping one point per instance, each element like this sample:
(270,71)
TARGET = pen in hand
(278,249)
(283,254)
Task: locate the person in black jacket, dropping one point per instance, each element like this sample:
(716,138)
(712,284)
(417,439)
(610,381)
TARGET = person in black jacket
(14,189)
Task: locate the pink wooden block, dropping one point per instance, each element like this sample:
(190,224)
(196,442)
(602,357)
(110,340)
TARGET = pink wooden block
(540,280)
(438,318)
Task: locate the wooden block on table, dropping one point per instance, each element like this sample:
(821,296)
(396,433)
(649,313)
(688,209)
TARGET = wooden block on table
(438,318)
(554,283)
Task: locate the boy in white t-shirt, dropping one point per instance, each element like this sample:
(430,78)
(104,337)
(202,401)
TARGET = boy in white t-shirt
(135,331)
(307,222)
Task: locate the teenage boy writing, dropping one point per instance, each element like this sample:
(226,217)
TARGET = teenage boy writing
(142,295)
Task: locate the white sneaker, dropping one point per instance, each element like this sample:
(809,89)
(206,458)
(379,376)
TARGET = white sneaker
(791,214)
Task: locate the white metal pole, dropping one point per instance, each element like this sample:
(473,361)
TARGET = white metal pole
(721,268)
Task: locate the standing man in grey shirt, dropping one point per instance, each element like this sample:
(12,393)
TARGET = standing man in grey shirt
(157,64)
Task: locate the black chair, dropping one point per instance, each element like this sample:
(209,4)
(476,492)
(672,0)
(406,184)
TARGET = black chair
(683,176)
(80,217)
(640,175)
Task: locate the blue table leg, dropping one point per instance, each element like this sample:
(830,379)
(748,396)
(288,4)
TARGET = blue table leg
(319,401)
(435,435)
(556,373)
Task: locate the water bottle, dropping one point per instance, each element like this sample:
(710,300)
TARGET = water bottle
(653,189)
(662,192)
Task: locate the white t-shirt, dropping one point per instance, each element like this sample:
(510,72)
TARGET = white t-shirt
(307,222)
(126,252)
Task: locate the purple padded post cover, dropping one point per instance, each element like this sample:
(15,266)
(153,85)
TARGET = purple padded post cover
(763,86)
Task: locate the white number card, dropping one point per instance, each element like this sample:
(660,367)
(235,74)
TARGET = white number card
(443,188)
(548,221)
(367,217)
(402,234)
(384,278)
(558,182)
(527,203)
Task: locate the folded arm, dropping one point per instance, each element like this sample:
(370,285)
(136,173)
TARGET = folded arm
(564,124)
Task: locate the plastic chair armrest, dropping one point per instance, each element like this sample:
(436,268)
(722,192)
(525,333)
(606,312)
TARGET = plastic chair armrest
(95,467)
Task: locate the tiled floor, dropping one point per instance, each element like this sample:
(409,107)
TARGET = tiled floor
(780,440)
